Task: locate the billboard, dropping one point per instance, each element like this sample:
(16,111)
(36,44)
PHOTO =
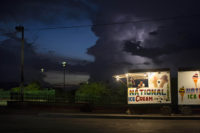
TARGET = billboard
(149,88)
(189,88)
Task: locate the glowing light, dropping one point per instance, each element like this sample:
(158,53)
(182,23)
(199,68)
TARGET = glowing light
(151,74)
(145,75)
(117,78)
(42,69)
(64,64)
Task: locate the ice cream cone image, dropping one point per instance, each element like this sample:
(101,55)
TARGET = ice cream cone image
(182,92)
(195,79)
(164,79)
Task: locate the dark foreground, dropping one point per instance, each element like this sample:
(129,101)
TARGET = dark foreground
(34,123)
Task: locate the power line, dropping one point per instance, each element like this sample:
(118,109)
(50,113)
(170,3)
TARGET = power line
(119,23)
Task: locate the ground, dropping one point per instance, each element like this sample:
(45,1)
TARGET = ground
(34,123)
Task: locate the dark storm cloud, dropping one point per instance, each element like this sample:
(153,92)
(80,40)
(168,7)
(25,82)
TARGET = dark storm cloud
(33,62)
(47,11)
(165,43)
(181,36)
(153,33)
(168,42)
(10,61)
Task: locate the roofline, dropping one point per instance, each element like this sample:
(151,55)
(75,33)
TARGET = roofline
(148,70)
(189,69)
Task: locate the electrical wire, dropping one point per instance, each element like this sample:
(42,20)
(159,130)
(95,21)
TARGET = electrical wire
(119,23)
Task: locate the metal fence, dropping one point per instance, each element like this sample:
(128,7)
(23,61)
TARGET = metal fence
(101,100)
(67,99)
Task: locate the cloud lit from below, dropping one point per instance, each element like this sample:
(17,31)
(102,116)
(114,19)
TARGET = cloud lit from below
(57,78)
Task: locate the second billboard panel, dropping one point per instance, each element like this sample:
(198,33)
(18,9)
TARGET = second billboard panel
(189,87)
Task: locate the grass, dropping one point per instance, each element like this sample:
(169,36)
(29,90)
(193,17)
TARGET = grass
(3,103)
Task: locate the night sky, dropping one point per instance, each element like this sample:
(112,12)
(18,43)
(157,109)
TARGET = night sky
(98,38)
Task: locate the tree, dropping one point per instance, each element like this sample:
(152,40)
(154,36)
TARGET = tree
(30,87)
(92,90)
(33,86)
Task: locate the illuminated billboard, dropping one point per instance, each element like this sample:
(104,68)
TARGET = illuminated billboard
(149,87)
(189,87)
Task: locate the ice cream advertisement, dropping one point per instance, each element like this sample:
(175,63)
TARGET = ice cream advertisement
(189,87)
(152,88)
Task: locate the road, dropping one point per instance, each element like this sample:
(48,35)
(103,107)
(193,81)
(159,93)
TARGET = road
(41,124)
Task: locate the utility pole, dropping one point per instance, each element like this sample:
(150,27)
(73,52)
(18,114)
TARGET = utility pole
(64,67)
(21,29)
(64,77)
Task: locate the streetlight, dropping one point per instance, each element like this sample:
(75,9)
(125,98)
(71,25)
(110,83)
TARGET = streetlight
(21,29)
(118,79)
(42,70)
(64,68)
